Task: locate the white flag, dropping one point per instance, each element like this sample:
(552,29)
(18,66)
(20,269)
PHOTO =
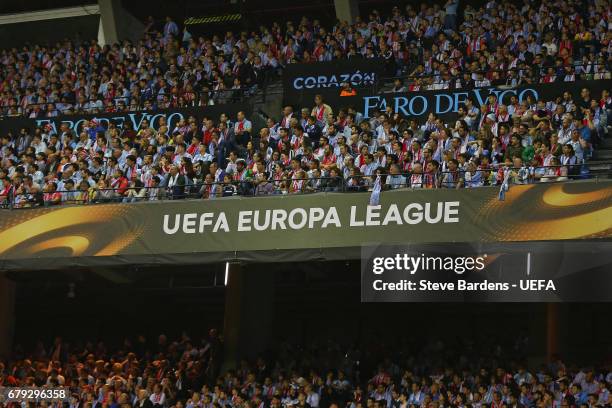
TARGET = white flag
(375,197)
(505,186)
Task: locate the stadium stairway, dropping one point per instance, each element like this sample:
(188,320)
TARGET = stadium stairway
(267,101)
(601,163)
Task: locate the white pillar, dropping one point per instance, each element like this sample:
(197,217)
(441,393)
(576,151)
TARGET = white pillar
(108,26)
(347,10)
(101,37)
(116,24)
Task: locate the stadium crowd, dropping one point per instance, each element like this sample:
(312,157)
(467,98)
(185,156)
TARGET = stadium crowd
(187,373)
(428,47)
(316,149)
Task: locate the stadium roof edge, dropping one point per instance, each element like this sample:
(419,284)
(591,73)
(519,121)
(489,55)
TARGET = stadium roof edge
(41,15)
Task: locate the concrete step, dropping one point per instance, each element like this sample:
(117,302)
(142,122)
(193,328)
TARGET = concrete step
(595,165)
(603,154)
(606,143)
(600,169)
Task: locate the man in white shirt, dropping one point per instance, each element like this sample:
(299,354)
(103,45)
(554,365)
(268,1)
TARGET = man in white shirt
(565,131)
(231,165)
(202,154)
(370,165)
(312,398)
(158,398)
(38,145)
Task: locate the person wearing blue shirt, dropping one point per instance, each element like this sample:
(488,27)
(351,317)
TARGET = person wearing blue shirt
(580,396)
(450,178)
(585,132)
(417,396)
(94,128)
(472,177)
(395,179)
(450,19)
(170,28)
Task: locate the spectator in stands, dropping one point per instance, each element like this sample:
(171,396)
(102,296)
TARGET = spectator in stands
(176,183)
(51,196)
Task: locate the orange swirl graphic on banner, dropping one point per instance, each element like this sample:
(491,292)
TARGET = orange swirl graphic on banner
(70,217)
(76,243)
(555,196)
(514,194)
(552,212)
(577,226)
(119,243)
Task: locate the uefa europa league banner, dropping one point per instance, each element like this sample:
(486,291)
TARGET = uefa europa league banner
(300,227)
(135,118)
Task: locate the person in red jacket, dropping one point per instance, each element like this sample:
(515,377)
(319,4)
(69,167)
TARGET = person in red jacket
(6,190)
(50,194)
(120,183)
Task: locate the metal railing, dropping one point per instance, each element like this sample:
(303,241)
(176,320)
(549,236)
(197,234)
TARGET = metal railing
(287,185)
(100,105)
(409,79)
(519,77)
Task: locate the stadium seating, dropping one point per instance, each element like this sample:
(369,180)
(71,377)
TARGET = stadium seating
(309,148)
